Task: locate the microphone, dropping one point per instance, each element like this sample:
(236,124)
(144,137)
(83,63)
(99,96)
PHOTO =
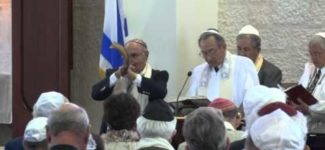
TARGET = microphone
(180,92)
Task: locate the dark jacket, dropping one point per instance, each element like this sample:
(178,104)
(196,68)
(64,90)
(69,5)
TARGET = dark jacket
(269,74)
(155,87)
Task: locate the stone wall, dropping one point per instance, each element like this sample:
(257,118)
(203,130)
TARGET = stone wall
(87,32)
(285,27)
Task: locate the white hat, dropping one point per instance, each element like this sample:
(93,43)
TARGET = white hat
(47,102)
(249,29)
(257,97)
(322,34)
(279,131)
(35,130)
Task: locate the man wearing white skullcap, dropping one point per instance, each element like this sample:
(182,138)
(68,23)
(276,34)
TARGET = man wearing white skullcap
(45,104)
(281,129)
(313,80)
(35,134)
(48,102)
(249,45)
(222,75)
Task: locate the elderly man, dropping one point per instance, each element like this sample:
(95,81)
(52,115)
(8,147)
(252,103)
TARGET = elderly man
(204,129)
(156,126)
(148,83)
(249,45)
(68,128)
(223,74)
(46,103)
(313,80)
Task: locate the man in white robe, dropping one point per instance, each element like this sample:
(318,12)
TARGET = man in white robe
(223,75)
(313,80)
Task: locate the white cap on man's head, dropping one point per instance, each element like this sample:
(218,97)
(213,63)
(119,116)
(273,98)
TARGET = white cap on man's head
(249,29)
(257,97)
(322,34)
(277,130)
(35,130)
(47,102)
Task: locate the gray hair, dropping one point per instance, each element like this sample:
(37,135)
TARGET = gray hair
(316,39)
(75,120)
(152,128)
(255,40)
(219,39)
(204,129)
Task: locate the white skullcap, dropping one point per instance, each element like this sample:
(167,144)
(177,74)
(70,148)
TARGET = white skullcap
(257,97)
(211,30)
(279,131)
(249,29)
(322,34)
(35,130)
(47,102)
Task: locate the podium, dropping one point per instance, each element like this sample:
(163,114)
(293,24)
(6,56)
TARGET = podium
(185,106)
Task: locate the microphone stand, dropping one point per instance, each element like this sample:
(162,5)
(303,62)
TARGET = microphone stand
(180,92)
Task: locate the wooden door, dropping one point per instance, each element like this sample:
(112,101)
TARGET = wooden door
(42,50)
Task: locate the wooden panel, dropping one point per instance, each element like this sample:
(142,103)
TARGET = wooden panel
(41,49)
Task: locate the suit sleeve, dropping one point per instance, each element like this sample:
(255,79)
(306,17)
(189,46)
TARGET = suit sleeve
(156,86)
(101,89)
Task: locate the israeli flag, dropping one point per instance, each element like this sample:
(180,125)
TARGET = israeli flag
(115,30)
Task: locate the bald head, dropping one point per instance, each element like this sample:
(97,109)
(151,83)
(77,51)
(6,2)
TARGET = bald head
(70,117)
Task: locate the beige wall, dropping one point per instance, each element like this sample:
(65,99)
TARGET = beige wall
(285,28)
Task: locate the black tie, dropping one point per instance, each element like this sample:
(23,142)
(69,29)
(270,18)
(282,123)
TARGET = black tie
(312,84)
(216,69)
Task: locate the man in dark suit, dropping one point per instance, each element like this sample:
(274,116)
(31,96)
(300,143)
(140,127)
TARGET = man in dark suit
(139,79)
(249,45)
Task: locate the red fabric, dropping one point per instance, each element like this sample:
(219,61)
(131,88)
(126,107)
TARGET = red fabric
(277,105)
(223,104)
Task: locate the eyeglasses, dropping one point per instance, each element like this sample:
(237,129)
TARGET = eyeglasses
(204,53)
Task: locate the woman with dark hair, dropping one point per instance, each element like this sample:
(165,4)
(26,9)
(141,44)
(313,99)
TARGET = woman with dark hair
(120,113)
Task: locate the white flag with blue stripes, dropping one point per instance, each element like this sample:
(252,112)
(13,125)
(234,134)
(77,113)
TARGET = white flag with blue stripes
(115,30)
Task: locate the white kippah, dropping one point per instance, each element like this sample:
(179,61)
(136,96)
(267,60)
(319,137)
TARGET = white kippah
(212,31)
(322,34)
(47,102)
(249,29)
(277,130)
(35,130)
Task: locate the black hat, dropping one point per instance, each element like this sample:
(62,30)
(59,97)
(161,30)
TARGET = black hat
(158,110)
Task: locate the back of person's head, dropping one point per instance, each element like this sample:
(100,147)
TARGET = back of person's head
(228,108)
(257,97)
(35,134)
(278,127)
(70,119)
(157,121)
(204,129)
(211,32)
(121,111)
(48,102)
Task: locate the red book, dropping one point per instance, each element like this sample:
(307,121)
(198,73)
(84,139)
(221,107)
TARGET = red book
(299,92)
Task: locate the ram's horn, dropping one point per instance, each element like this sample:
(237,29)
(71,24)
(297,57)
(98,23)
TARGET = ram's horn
(123,52)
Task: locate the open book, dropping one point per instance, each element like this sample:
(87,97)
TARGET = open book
(195,100)
(299,92)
